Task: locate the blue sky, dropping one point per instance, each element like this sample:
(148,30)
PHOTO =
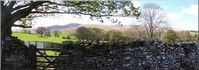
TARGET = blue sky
(181,14)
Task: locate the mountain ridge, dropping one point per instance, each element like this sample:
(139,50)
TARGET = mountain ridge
(74,26)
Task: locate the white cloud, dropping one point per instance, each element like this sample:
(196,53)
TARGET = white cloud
(192,10)
(135,3)
(175,16)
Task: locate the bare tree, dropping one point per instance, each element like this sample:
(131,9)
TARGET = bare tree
(152,17)
(41,31)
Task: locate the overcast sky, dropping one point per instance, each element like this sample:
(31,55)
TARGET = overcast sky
(182,14)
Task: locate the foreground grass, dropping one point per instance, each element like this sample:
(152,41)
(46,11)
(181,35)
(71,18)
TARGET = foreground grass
(33,37)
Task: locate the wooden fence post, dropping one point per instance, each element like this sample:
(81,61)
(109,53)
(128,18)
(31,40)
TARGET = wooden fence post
(33,55)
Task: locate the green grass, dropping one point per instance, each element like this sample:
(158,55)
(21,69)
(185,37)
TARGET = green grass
(52,53)
(34,37)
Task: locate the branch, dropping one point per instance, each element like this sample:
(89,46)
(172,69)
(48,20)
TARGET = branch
(23,26)
(54,3)
(11,4)
(24,12)
(21,6)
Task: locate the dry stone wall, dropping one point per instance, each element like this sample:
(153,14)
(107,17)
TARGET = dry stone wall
(137,55)
(15,55)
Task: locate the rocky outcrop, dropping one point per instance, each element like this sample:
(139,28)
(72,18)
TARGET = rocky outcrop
(137,55)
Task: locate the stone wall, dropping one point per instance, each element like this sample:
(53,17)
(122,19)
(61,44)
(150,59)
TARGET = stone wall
(137,55)
(15,55)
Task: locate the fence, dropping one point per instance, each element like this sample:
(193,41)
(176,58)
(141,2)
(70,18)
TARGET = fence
(44,54)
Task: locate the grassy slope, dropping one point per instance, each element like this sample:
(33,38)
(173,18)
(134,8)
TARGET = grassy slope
(32,37)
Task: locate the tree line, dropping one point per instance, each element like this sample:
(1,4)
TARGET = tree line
(43,32)
(97,34)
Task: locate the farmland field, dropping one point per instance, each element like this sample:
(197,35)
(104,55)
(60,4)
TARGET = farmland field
(34,37)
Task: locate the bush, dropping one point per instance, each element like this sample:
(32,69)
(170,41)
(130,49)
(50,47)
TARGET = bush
(116,35)
(56,33)
(97,34)
(64,37)
(68,37)
(170,36)
(195,37)
(83,33)
(47,33)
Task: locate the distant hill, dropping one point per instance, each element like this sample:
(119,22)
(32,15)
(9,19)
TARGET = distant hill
(71,25)
(107,27)
(74,26)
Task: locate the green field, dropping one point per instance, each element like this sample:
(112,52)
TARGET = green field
(34,37)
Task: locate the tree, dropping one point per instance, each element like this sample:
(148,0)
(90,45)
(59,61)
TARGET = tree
(47,32)
(196,38)
(56,33)
(83,33)
(11,14)
(97,34)
(22,10)
(94,34)
(152,17)
(170,36)
(41,31)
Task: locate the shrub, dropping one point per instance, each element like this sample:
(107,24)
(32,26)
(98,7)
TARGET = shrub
(68,37)
(56,33)
(170,36)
